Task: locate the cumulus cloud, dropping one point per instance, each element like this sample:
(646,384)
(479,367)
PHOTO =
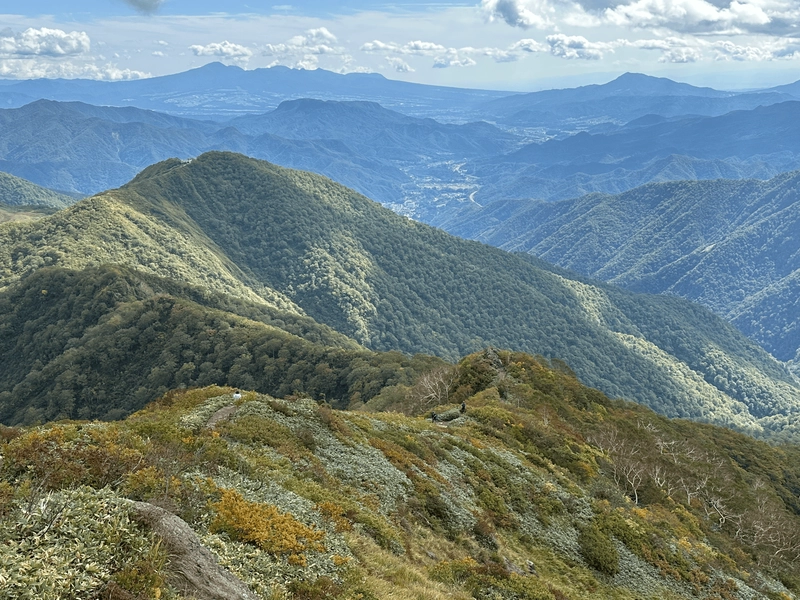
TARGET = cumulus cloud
(444,57)
(224,50)
(673,50)
(527,45)
(313,41)
(145,6)
(415,48)
(787,49)
(399,65)
(37,69)
(691,49)
(578,47)
(702,16)
(309,62)
(726,50)
(43,42)
(519,13)
(443,62)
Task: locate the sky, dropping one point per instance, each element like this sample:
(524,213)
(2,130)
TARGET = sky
(518,45)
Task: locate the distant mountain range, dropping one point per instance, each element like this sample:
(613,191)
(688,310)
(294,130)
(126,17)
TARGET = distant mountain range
(761,143)
(229,233)
(418,167)
(731,245)
(624,99)
(222,92)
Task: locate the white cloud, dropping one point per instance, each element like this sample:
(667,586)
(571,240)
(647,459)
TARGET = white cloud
(313,41)
(225,50)
(726,50)
(701,16)
(519,13)
(37,69)
(415,48)
(443,62)
(680,55)
(43,42)
(577,46)
(527,45)
(692,49)
(399,64)
(158,53)
(673,49)
(309,62)
(453,57)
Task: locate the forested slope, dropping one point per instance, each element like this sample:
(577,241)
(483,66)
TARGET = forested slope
(102,342)
(15,191)
(298,242)
(730,245)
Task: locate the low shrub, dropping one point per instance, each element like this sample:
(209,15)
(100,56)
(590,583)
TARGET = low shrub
(265,526)
(598,550)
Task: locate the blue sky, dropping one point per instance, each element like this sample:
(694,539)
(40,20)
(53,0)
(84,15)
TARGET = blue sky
(499,44)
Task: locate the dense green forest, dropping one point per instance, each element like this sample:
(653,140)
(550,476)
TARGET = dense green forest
(101,343)
(541,489)
(298,243)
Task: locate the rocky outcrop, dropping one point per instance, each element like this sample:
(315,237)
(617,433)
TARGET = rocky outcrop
(195,571)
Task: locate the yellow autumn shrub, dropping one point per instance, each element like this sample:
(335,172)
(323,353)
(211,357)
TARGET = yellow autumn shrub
(264,526)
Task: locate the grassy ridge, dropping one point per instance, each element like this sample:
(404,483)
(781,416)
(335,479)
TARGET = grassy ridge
(542,490)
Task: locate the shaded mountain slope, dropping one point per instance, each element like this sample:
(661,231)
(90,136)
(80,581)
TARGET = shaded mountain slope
(511,180)
(758,143)
(731,245)
(102,342)
(393,284)
(15,191)
(745,133)
(86,149)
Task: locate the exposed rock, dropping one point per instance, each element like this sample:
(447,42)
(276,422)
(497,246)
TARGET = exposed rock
(224,413)
(195,571)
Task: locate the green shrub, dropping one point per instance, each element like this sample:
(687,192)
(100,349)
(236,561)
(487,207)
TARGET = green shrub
(598,550)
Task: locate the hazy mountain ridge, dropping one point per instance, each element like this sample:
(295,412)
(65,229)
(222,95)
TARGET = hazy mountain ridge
(628,97)
(223,91)
(88,149)
(372,129)
(393,284)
